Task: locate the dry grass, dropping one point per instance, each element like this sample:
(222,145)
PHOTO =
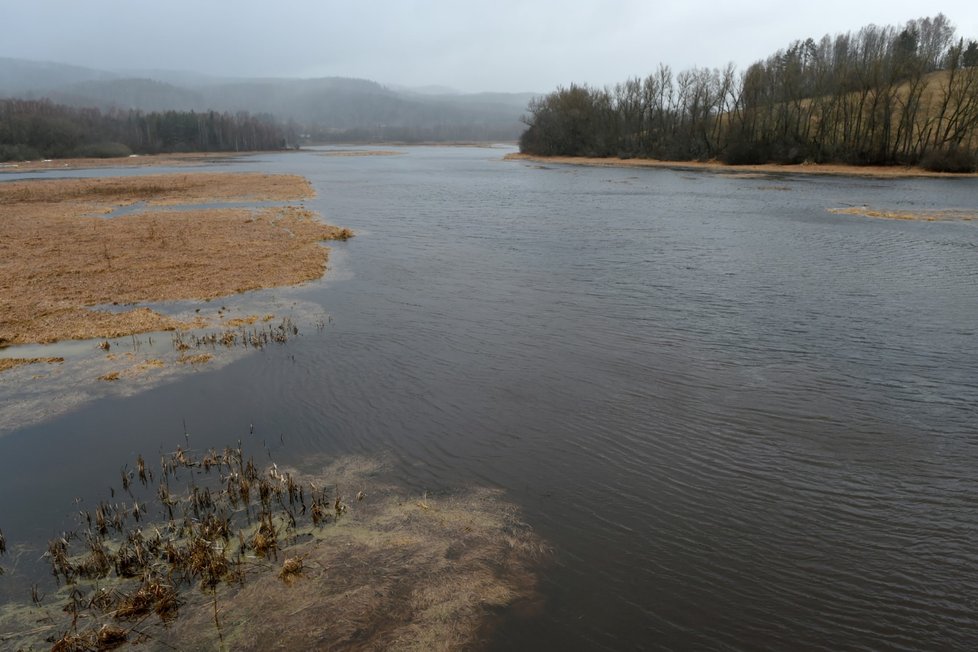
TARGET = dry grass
(291,570)
(247,320)
(154,363)
(196,359)
(926,216)
(150,160)
(876,171)
(57,262)
(10,363)
(158,189)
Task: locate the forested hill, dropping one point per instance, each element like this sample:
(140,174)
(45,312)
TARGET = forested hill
(895,95)
(328,109)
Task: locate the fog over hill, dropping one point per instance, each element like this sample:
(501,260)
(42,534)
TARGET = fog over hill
(331,108)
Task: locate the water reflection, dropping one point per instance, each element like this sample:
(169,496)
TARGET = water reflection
(740,420)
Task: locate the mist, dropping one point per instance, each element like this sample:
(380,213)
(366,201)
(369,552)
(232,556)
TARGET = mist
(503,46)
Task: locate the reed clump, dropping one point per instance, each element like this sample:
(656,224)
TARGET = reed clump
(291,570)
(149,567)
(257,337)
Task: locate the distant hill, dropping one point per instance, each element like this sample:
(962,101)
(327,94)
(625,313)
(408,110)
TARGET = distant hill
(20,76)
(143,94)
(331,108)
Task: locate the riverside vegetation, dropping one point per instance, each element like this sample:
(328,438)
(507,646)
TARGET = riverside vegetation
(212,550)
(63,264)
(904,95)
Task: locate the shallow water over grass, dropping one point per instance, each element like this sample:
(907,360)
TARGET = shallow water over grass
(739,419)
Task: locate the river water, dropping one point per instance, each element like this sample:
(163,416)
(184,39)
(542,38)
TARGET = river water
(741,421)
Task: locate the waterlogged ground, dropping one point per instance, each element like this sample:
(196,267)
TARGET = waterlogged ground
(61,258)
(65,375)
(349,562)
(96,265)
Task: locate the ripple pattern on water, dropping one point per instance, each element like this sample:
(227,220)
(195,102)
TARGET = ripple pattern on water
(743,422)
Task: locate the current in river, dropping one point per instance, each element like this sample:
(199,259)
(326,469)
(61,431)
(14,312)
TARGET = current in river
(741,421)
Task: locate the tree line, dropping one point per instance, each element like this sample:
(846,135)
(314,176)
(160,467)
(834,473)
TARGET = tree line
(889,95)
(32,129)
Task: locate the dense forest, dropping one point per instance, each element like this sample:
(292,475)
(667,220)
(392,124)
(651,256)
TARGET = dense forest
(31,129)
(903,95)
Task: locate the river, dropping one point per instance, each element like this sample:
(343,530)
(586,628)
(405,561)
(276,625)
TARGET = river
(741,421)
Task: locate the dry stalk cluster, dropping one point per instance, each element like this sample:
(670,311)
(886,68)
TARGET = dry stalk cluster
(257,337)
(227,518)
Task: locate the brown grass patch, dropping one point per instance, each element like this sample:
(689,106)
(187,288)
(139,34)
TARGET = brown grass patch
(10,363)
(199,358)
(926,216)
(56,262)
(248,320)
(147,160)
(159,189)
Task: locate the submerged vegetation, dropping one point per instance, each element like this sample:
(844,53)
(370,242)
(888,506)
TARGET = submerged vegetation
(212,550)
(880,96)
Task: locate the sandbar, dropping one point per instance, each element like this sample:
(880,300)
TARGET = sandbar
(944,215)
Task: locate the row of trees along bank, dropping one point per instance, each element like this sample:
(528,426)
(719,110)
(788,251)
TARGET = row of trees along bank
(883,95)
(31,129)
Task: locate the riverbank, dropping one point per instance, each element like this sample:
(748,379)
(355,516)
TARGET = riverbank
(65,268)
(874,171)
(136,161)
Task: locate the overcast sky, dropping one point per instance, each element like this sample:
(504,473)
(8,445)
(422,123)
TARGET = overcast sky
(502,45)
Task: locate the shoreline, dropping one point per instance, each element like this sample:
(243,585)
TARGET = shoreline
(839,170)
(144,278)
(135,161)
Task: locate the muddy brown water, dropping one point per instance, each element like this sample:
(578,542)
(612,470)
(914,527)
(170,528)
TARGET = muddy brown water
(741,421)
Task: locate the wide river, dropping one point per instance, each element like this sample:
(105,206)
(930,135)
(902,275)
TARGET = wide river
(741,421)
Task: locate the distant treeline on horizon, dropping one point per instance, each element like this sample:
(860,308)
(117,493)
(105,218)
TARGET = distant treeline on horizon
(883,95)
(33,129)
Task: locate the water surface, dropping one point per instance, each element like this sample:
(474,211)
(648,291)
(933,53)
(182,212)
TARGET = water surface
(741,421)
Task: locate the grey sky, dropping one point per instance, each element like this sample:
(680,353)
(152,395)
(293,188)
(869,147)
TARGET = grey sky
(503,45)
